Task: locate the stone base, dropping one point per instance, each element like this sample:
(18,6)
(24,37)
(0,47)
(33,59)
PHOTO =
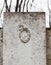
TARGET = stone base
(24,39)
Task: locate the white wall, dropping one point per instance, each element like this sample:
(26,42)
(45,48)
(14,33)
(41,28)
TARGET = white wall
(35,6)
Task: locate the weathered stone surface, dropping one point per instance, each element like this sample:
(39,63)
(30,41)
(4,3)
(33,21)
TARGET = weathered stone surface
(49,53)
(24,39)
(33,6)
(49,38)
(49,62)
(49,46)
(1,46)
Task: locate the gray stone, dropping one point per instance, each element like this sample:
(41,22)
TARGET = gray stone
(24,39)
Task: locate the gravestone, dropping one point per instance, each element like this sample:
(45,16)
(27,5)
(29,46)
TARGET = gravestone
(24,39)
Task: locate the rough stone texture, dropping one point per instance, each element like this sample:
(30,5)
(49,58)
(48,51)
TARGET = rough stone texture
(18,28)
(33,6)
(1,46)
(49,46)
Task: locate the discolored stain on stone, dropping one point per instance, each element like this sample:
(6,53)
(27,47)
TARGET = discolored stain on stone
(24,35)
